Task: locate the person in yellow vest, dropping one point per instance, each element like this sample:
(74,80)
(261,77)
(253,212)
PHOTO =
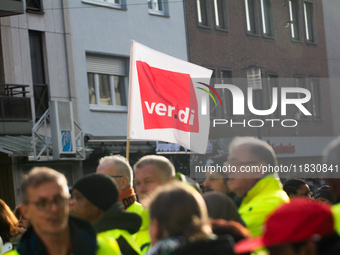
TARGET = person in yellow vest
(300,227)
(152,171)
(120,170)
(95,198)
(260,193)
(45,197)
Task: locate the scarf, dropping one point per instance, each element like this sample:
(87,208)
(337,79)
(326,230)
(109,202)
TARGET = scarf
(128,197)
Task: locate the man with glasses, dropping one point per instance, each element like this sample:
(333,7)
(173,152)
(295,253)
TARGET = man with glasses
(260,193)
(45,198)
(120,170)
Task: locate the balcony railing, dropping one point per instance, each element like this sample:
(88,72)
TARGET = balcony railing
(14,105)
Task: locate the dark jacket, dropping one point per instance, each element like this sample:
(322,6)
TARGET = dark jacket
(177,245)
(221,246)
(83,239)
(117,218)
(221,206)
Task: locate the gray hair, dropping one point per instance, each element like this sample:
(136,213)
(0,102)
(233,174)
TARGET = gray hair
(41,175)
(163,164)
(122,166)
(260,149)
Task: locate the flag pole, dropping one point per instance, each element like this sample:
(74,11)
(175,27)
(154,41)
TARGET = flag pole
(127,149)
(129,106)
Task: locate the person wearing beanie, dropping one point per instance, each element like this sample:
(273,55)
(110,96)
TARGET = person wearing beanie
(324,194)
(95,198)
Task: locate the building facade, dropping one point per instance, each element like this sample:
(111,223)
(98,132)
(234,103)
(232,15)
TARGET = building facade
(284,42)
(76,54)
(332,33)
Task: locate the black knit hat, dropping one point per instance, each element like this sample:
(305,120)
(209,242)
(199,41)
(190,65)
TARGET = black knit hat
(325,192)
(101,190)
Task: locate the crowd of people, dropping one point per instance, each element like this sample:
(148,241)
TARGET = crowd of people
(167,213)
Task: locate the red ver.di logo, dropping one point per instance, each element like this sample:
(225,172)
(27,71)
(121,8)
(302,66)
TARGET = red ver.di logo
(168,99)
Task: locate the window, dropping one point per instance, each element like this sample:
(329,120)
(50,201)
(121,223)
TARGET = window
(119,4)
(213,107)
(309,22)
(220,9)
(273,82)
(38,73)
(251,16)
(159,7)
(316,98)
(203,13)
(226,96)
(301,82)
(107,79)
(266,11)
(37,60)
(294,19)
(34,5)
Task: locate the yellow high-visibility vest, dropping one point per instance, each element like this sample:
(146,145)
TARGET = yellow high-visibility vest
(262,199)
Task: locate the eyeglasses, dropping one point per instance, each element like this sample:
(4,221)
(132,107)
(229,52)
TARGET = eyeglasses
(46,204)
(243,163)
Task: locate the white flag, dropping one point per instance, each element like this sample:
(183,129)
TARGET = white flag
(166,102)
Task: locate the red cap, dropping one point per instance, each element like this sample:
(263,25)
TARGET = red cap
(299,220)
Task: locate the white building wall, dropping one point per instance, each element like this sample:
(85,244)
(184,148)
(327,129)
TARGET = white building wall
(16,50)
(109,31)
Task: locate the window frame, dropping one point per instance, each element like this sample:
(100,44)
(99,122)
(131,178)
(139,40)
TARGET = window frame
(38,70)
(307,39)
(39,49)
(121,6)
(212,108)
(38,10)
(255,19)
(319,96)
(267,19)
(113,107)
(207,12)
(307,105)
(217,14)
(295,26)
(100,70)
(277,112)
(153,11)
(227,103)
